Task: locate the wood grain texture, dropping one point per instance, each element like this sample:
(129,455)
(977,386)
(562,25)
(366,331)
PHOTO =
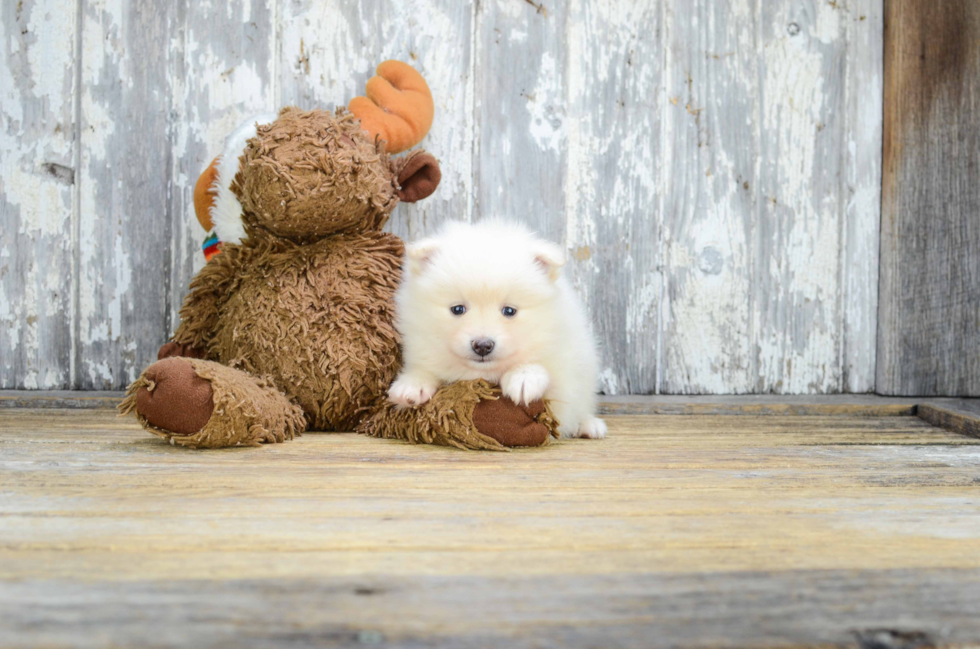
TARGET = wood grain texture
(796,255)
(329,49)
(964,421)
(793,609)
(521,113)
(37,185)
(615,167)
(761,102)
(929,307)
(712,168)
(674,531)
(860,198)
(711,114)
(125,176)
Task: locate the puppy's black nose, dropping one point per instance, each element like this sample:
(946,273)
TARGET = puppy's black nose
(482,346)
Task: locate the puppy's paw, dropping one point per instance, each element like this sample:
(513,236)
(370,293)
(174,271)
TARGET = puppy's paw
(592,428)
(525,384)
(408,391)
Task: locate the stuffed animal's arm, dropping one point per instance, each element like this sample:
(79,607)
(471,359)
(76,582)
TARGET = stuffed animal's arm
(201,308)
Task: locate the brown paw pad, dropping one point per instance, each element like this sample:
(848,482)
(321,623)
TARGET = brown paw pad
(509,423)
(176,399)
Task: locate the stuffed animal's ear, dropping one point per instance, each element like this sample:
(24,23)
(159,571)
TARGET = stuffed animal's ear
(550,258)
(418,176)
(420,253)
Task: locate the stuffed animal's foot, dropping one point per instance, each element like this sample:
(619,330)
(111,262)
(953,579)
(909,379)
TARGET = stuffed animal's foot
(466,414)
(203,404)
(173,397)
(511,424)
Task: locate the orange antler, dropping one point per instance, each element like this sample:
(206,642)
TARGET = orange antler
(398,107)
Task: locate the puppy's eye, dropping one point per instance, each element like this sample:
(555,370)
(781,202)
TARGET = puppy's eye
(509,311)
(459,309)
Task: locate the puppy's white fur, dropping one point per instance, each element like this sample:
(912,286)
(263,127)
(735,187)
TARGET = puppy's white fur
(545,350)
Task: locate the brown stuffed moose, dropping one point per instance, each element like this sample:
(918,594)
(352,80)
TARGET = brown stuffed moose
(290,327)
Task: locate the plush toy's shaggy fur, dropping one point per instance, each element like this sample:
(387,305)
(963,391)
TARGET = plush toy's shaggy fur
(312,173)
(316,317)
(307,298)
(468,415)
(245,411)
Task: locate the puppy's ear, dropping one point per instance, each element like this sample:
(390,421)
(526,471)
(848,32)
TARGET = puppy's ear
(420,254)
(550,258)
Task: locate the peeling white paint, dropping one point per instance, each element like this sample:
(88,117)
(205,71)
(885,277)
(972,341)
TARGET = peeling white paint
(641,310)
(609,381)
(860,240)
(798,347)
(681,162)
(544,106)
(614,175)
(53,30)
(122,286)
(827,27)
(711,107)
(11,318)
(98,372)
(36,160)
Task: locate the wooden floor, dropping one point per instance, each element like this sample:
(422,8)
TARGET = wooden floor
(700,531)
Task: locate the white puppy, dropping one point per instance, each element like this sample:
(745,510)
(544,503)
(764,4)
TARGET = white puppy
(487,301)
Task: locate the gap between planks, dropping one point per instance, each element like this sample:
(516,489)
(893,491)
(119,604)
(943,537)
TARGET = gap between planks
(960,416)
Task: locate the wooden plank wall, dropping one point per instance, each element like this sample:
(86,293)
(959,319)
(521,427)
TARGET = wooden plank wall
(713,167)
(929,340)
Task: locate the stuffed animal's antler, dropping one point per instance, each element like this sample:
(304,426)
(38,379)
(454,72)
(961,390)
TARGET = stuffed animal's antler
(398,107)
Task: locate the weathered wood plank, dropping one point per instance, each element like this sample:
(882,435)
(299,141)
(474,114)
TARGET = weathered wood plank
(766,256)
(861,195)
(929,304)
(614,167)
(842,493)
(898,609)
(37,185)
(125,180)
(329,49)
(223,71)
(521,113)
(674,531)
(711,191)
(796,240)
(965,421)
